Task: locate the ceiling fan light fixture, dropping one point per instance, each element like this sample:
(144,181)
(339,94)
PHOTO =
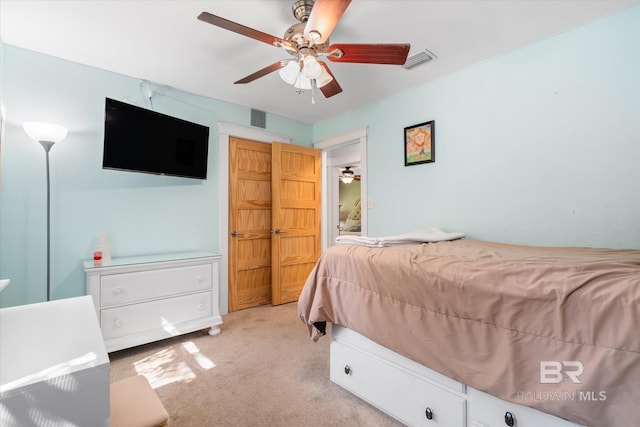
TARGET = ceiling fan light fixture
(347,175)
(312,68)
(324,78)
(289,73)
(302,82)
(309,39)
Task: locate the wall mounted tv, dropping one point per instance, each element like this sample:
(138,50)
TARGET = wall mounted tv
(141,140)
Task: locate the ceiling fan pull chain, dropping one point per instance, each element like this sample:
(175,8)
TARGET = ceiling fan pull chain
(313,91)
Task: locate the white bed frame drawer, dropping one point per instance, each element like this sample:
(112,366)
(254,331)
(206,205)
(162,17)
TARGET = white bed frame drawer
(408,396)
(116,289)
(404,389)
(354,339)
(489,411)
(160,314)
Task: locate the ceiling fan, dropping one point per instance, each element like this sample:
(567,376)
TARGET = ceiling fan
(348,176)
(309,40)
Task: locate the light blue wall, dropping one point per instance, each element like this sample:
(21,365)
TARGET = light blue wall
(540,146)
(141,213)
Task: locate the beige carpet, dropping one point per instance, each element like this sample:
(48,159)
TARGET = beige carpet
(262,370)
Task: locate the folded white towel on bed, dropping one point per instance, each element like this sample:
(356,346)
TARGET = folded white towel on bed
(424,235)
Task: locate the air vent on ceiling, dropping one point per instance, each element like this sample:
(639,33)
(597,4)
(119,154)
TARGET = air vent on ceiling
(419,58)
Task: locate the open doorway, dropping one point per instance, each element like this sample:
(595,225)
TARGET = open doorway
(349,201)
(338,152)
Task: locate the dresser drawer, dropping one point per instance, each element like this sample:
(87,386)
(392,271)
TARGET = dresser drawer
(160,314)
(124,288)
(405,395)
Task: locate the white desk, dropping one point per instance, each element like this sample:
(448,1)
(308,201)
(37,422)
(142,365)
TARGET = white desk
(54,368)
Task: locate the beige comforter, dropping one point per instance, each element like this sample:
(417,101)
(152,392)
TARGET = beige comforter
(489,314)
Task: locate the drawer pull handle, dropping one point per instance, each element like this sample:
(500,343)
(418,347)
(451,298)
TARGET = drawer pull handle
(509,419)
(117,323)
(117,290)
(428,413)
(347,369)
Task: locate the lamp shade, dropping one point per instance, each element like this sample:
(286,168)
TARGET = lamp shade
(302,82)
(312,68)
(39,131)
(290,72)
(324,78)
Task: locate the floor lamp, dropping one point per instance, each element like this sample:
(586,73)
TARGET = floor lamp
(46,134)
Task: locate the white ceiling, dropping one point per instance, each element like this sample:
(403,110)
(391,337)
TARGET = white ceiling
(163,42)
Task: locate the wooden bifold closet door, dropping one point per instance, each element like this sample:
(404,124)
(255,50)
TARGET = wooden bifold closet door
(274,221)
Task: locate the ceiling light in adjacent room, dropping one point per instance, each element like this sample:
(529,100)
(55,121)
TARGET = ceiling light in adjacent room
(347,175)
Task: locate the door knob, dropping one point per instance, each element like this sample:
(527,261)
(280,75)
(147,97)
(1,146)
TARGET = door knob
(234,233)
(278,231)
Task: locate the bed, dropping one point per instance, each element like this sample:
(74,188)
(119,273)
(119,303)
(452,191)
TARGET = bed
(552,329)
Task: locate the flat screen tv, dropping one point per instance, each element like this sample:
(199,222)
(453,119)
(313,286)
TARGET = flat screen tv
(140,140)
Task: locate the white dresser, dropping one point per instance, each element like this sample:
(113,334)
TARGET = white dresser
(148,298)
(54,368)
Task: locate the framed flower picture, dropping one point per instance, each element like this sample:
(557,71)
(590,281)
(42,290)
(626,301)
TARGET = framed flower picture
(420,144)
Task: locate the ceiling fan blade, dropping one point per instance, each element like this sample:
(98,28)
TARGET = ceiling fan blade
(242,30)
(331,88)
(262,72)
(324,16)
(394,54)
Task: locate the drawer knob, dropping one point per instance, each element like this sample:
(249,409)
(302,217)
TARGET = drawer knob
(347,369)
(117,290)
(200,306)
(428,413)
(117,323)
(201,278)
(509,420)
